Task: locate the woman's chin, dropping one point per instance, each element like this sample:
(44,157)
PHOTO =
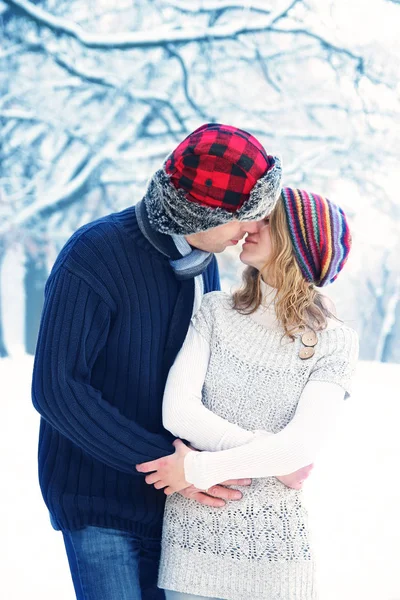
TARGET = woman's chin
(246,260)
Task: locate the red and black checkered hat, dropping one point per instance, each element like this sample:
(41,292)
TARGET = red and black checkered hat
(217,174)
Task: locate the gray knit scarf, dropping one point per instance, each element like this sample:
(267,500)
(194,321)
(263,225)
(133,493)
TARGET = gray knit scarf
(187,262)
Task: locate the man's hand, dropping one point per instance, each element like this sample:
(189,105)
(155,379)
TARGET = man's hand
(295,480)
(217,495)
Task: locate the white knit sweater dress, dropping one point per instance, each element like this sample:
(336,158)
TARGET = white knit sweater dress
(258,547)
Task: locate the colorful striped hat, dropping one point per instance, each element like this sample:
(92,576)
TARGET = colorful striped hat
(319,233)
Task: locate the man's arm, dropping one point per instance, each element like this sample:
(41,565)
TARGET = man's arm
(74,329)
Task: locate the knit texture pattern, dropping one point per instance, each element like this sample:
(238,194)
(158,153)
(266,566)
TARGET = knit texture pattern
(320,235)
(259,547)
(109,333)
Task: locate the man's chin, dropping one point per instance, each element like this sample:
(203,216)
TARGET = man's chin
(222,248)
(219,249)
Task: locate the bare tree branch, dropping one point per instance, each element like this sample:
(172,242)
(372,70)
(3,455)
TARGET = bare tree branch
(22,115)
(49,204)
(185,83)
(264,68)
(105,79)
(92,75)
(81,174)
(219,5)
(127,39)
(324,43)
(11,52)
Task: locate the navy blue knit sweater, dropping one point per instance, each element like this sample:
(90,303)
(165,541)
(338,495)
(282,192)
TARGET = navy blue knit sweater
(103,352)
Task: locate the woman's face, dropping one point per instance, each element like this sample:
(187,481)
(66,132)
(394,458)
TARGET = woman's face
(257,247)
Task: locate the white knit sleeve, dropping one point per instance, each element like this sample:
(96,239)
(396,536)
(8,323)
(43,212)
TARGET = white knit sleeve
(297,445)
(184,414)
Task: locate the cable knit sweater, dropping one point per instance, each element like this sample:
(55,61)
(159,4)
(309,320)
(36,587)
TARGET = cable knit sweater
(104,350)
(254,384)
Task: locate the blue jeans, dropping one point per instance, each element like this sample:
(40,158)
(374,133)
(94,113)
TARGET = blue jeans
(181,596)
(108,564)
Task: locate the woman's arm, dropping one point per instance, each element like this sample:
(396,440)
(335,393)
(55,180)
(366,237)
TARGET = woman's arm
(184,414)
(319,409)
(186,417)
(266,455)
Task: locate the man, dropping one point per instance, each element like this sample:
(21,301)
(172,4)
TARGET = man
(118,304)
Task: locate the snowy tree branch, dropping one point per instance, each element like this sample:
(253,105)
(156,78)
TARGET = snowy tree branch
(105,79)
(185,83)
(218,6)
(108,80)
(62,196)
(324,43)
(147,39)
(264,68)
(29,116)
(60,199)
(89,75)
(11,52)
(23,115)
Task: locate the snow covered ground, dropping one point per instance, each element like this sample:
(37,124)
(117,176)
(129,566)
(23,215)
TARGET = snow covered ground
(353,495)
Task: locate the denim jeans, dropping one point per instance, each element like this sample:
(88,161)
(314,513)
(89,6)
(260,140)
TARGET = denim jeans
(108,564)
(182,596)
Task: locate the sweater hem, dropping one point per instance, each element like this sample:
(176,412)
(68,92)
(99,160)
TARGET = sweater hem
(75,522)
(192,572)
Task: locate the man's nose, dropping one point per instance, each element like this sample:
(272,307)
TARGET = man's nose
(252,226)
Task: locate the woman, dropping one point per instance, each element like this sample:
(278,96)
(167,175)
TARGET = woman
(257,386)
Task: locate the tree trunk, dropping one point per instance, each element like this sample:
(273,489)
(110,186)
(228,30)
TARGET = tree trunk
(3,349)
(34,283)
(391,347)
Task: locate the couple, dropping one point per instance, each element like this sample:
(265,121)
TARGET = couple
(131,341)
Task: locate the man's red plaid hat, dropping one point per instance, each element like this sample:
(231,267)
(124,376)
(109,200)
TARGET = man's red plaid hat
(217,174)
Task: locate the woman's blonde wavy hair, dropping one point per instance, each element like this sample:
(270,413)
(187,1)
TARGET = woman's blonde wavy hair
(298,304)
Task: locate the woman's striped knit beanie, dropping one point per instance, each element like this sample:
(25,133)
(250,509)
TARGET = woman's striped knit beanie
(320,235)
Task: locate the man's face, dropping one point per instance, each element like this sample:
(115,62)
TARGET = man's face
(218,238)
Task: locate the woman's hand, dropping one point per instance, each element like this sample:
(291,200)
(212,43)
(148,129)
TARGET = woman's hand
(296,480)
(167,472)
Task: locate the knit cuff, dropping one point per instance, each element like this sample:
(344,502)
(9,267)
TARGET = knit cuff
(191,471)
